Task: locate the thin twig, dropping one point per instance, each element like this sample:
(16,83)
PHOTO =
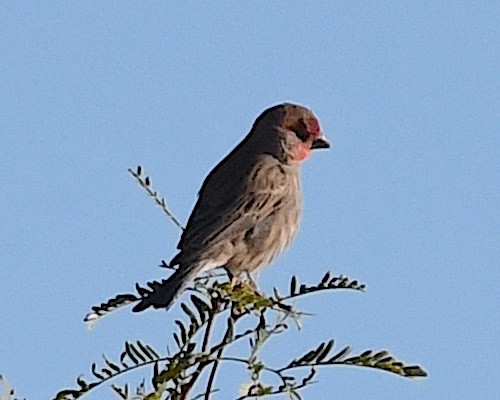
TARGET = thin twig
(160,201)
(227,338)
(213,312)
(273,392)
(206,339)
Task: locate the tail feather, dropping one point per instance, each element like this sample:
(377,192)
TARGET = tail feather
(163,295)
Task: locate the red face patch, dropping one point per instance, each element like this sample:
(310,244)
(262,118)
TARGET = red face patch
(313,127)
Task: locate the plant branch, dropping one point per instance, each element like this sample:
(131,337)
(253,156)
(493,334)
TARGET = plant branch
(228,338)
(160,201)
(206,340)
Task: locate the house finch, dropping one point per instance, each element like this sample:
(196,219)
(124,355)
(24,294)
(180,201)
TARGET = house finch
(249,206)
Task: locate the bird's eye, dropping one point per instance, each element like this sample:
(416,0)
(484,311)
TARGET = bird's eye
(301,130)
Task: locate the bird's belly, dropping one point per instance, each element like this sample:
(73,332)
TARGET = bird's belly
(264,242)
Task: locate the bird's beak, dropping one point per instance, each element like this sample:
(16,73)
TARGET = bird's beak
(320,143)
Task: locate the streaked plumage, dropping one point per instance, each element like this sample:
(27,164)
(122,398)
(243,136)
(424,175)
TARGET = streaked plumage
(249,206)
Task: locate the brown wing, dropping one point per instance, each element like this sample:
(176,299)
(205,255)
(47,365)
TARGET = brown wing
(232,200)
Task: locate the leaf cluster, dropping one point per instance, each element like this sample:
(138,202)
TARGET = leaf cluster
(175,374)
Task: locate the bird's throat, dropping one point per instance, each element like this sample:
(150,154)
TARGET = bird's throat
(302,152)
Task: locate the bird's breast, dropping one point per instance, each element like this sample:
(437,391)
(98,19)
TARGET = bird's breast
(267,238)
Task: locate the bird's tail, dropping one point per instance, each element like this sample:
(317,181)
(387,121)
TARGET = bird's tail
(162,295)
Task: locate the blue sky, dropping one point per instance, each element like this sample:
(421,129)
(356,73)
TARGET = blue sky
(405,201)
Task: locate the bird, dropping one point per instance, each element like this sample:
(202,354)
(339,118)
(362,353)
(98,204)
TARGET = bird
(249,206)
